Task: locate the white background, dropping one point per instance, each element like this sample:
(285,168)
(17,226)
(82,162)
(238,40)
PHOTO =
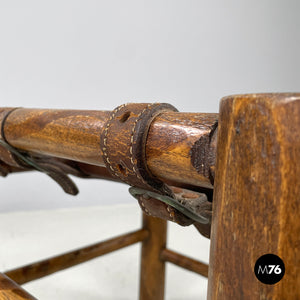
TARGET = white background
(100,54)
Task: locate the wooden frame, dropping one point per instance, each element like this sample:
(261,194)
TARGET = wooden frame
(256,208)
(256,196)
(153,258)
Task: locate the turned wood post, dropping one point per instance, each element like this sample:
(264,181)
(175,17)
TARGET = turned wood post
(256,201)
(152,276)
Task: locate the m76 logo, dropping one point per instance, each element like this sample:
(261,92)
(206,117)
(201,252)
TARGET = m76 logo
(269,269)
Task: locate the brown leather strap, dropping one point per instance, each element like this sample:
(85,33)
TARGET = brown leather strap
(4,169)
(8,161)
(155,208)
(123,144)
(194,201)
(5,155)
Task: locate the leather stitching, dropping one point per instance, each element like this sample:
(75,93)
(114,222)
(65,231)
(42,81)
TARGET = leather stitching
(131,143)
(144,208)
(171,216)
(104,149)
(105,139)
(130,164)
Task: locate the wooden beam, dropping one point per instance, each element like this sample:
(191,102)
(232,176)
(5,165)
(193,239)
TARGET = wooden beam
(178,147)
(185,262)
(48,266)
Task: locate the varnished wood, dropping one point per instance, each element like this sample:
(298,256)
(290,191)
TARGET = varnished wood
(256,199)
(9,290)
(49,266)
(71,134)
(173,147)
(179,148)
(185,262)
(152,274)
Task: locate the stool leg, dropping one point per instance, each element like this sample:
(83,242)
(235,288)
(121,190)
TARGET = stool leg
(152,276)
(256,201)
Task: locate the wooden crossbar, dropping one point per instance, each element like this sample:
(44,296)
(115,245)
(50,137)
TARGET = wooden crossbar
(49,266)
(185,262)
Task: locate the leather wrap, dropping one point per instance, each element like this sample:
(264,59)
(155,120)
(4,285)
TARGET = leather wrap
(123,143)
(8,162)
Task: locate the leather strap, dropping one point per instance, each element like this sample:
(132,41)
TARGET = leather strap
(123,144)
(194,202)
(5,155)
(153,207)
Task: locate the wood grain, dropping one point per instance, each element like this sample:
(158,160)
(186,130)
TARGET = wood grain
(181,148)
(71,134)
(54,264)
(178,147)
(9,290)
(185,262)
(256,199)
(152,274)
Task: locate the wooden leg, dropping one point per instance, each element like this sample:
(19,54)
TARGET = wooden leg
(152,277)
(256,198)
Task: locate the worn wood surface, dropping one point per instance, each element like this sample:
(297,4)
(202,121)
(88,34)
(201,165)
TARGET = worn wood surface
(71,134)
(180,147)
(257,196)
(9,290)
(152,273)
(48,266)
(184,262)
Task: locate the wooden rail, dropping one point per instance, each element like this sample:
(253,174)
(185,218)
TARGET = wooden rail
(178,147)
(46,267)
(185,262)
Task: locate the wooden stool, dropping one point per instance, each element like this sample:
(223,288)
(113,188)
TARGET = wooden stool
(256,207)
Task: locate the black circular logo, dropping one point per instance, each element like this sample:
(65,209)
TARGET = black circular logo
(269,269)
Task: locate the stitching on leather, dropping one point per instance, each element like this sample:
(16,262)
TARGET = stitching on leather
(171,216)
(112,116)
(144,208)
(131,143)
(134,170)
